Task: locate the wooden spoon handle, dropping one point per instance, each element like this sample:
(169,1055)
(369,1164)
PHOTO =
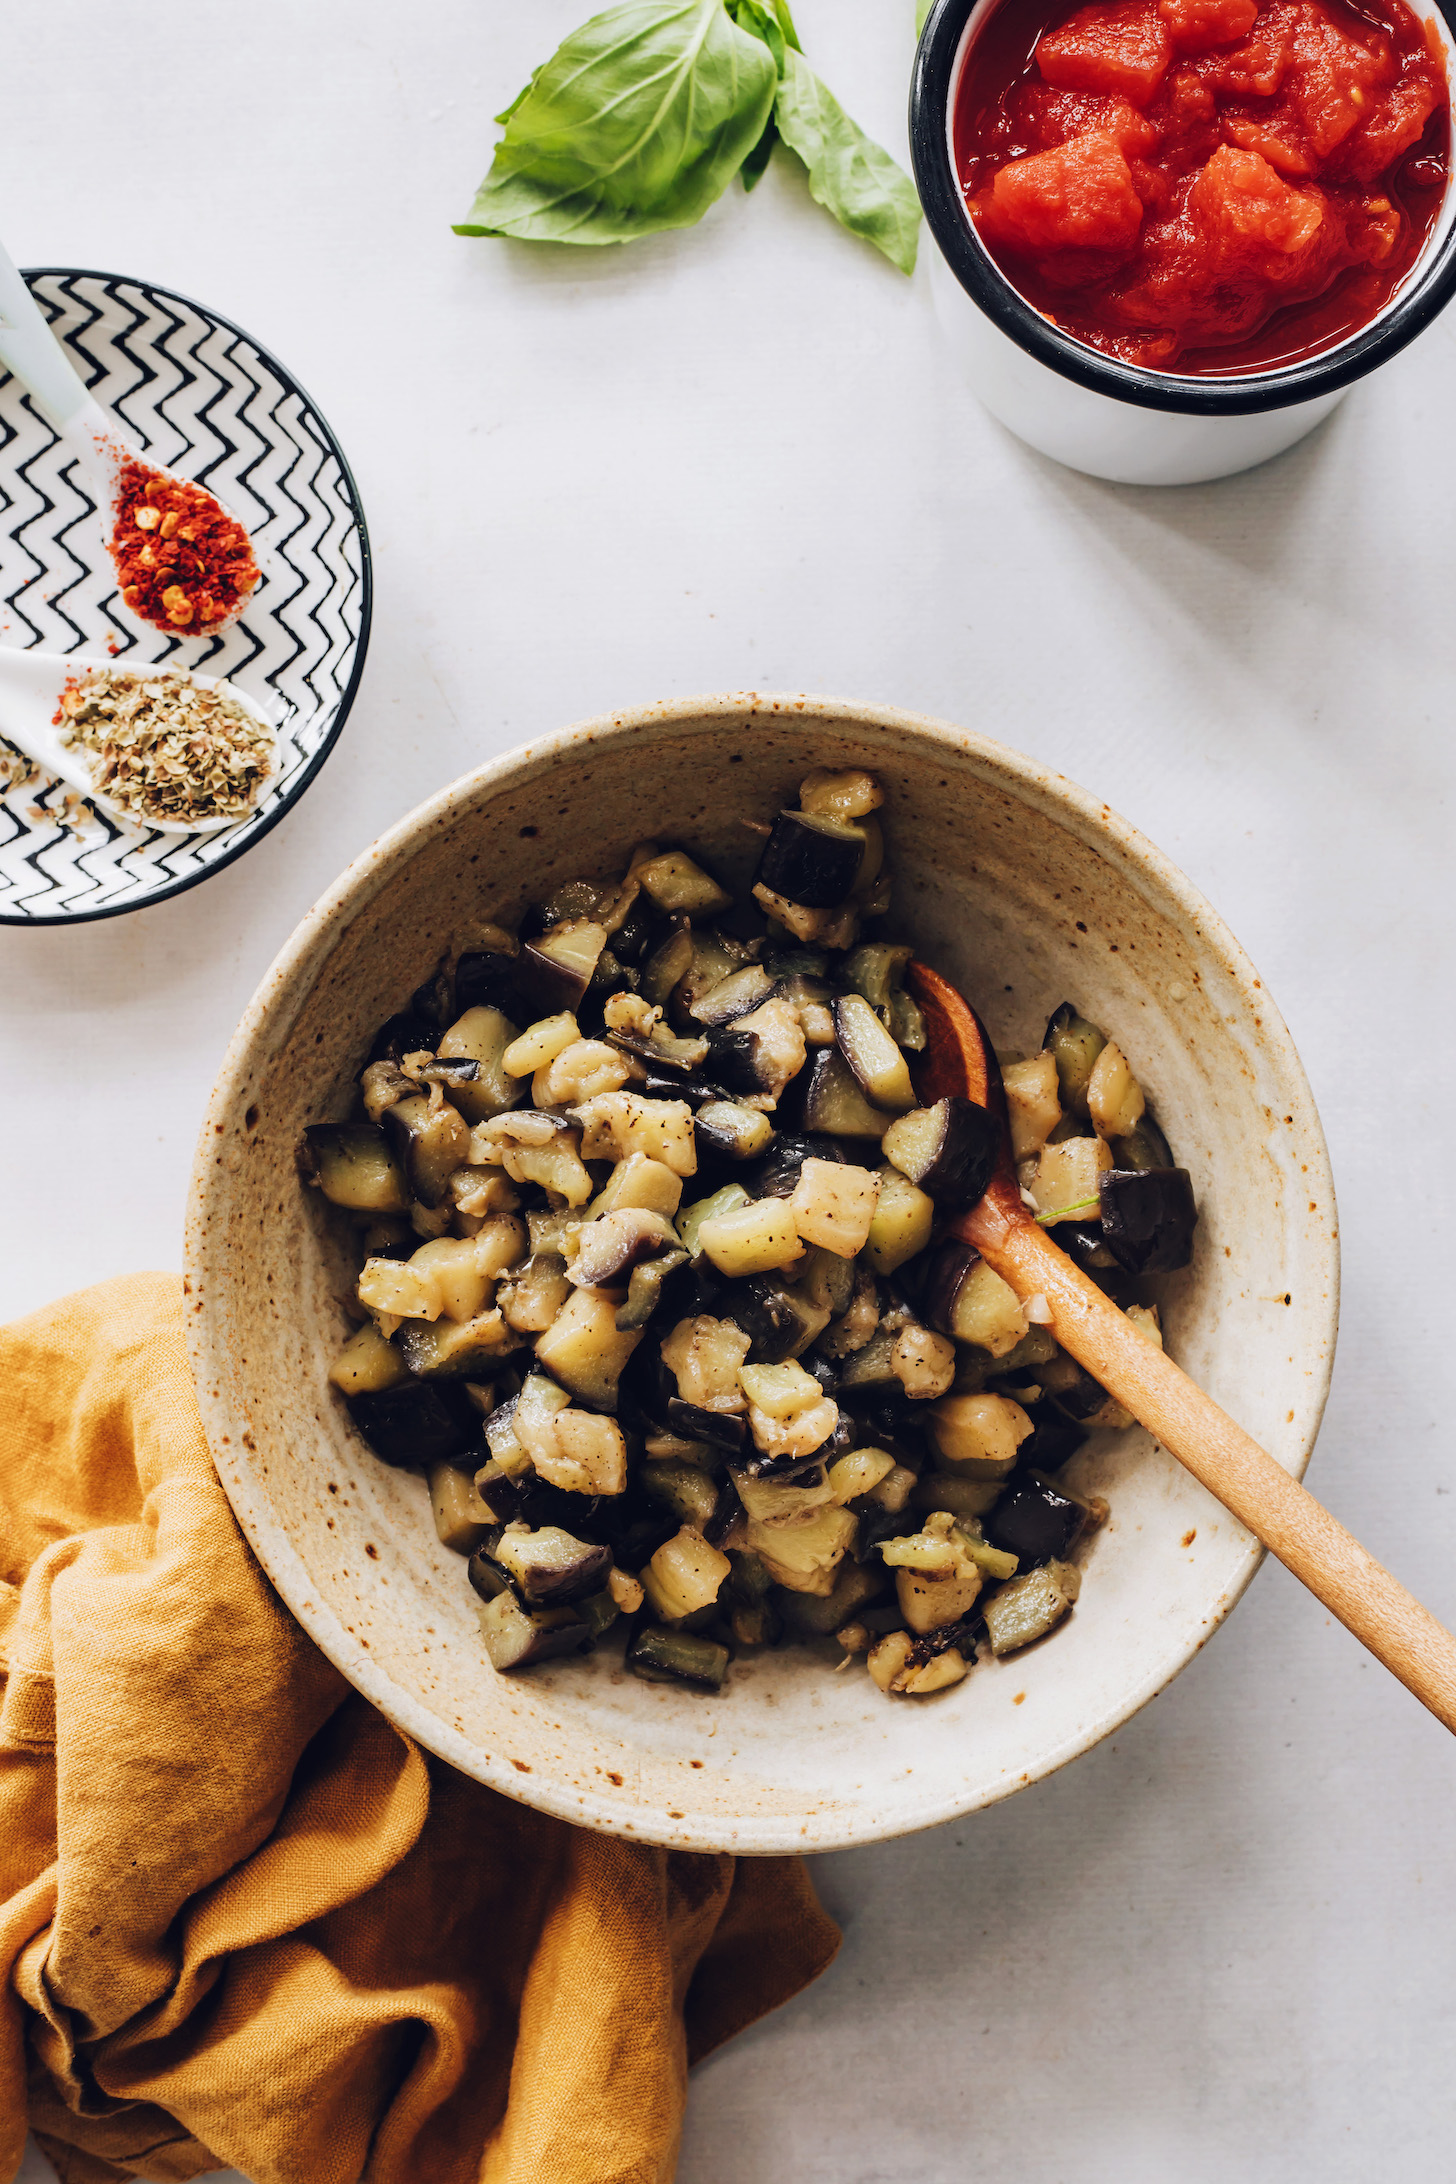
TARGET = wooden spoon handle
(1234,1468)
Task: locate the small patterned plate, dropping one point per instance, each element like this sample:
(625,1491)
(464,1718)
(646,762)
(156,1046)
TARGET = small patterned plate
(202,397)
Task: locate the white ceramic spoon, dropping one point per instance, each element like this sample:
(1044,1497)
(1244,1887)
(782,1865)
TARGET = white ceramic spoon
(100,444)
(31,684)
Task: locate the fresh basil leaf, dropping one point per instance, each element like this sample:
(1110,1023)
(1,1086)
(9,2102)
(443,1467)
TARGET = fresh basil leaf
(922,13)
(848,172)
(521,97)
(786,23)
(637,123)
(761,22)
(751,173)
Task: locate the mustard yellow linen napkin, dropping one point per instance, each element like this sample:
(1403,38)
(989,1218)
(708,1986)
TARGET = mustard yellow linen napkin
(243,1921)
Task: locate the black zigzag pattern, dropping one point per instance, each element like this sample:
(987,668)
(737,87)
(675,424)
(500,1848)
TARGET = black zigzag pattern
(202,397)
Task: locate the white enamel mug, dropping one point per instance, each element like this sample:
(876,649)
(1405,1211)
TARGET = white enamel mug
(1115,420)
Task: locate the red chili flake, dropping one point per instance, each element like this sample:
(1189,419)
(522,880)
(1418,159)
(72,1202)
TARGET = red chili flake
(69,702)
(181,561)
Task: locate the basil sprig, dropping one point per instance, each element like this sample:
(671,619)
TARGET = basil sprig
(641,118)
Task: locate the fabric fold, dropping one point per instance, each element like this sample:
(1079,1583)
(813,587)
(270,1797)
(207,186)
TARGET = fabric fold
(246,1922)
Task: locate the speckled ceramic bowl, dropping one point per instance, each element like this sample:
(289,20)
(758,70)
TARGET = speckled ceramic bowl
(1023,889)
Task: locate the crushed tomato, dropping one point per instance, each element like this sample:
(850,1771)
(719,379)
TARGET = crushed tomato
(182,561)
(1204,185)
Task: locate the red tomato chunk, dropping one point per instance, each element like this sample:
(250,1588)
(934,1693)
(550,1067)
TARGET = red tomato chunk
(1206,185)
(1124,49)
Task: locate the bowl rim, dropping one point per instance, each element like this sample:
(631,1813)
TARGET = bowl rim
(280,806)
(285,987)
(1427,292)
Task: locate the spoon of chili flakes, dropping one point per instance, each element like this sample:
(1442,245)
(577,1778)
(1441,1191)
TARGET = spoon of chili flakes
(150,746)
(183,563)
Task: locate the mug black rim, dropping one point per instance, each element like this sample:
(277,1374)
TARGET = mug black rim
(988,287)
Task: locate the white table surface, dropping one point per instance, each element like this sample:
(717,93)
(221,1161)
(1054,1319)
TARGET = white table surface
(1219,1947)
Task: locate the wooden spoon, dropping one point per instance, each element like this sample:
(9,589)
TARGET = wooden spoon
(1386,1619)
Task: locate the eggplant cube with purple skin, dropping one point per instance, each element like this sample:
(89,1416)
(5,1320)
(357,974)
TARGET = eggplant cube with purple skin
(1148,1218)
(949,1150)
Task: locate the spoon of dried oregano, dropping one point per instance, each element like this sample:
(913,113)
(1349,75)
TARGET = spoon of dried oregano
(152,746)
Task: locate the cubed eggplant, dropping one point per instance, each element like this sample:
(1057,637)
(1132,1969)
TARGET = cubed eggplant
(1072,1389)
(777,1174)
(694,1288)
(585,1349)
(823,1369)
(677,1656)
(733,1061)
(697,1090)
(887,1419)
(645,1289)
(731,1131)
(691,1494)
(382,1083)
(810,860)
(720,1429)
(1052,1442)
(432,998)
(406,1033)
(1148,1218)
(487,1579)
(631,940)
(670,1058)
(733,996)
(518,1638)
(941,1278)
(709,960)
(847,1436)
(446,1349)
(680,887)
(419,1422)
(504,1497)
(550,1568)
(779,1322)
(353,1165)
(876,1525)
(609,1247)
(1085,1246)
(878,1065)
(832,1103)
(667,965)
(610,976)
(819,1615)
(948,1150)
(432,1142)
(869,1369)
(769,1319)
(1144,1147)
(481,1036)
(632,1528)
(449,1070)
(876,970)
(562,962)
(792,962)
(1035,1521)
(1031,1605)
(727,1511)
(1074,1046)
(801,1471)
(489,981)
